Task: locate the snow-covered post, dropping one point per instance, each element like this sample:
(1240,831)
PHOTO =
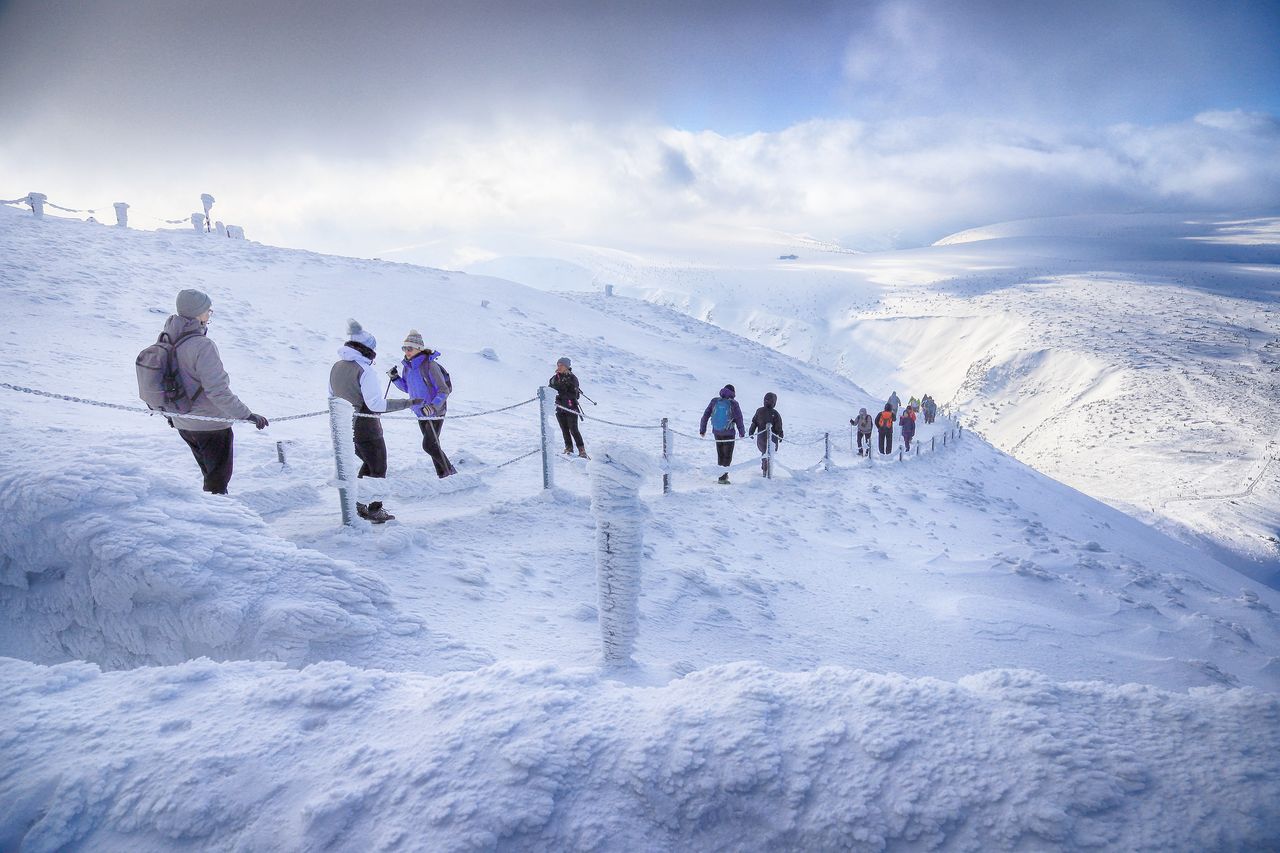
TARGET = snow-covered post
(933,443)
(959,428)
(768,451)
(197,221)
(122,214)
(280,452)
(852,448)
(546,410)
(37,200)
(667,451)
(616,476)
(608,290)
(207,201)
(826,452)
(342,427)
(899,452)
(220,228)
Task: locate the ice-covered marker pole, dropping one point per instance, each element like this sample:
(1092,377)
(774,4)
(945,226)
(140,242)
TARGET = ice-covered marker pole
(220,228)
(342,428)
(616,475)
(546,414)
(207,201)
(122,214)
(37,200)
(197,221)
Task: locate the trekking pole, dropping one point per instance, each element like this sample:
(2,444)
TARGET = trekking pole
(588,399)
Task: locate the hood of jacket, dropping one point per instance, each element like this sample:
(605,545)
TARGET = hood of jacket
(346,353)
(727,392)
(770,400)
(178,325)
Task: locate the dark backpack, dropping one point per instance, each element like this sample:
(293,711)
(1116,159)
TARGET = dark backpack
(425,370)
(159,384)
(722,415)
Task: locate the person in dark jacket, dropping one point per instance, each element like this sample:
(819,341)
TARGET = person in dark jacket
(724,413)
(863,422)
(352,378)
(568,405)
(908,423)
(424,379)
(766,416)
(209,389)
(884,423)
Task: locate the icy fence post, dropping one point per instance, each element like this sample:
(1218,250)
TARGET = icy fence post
(667,450)
(122,214)
(546,407)
(616,476)
(220,228)
(768,451)
(37,200)
(852,449)
(826,451)
(207,201)
(280,452)
(197,221)
(959,428)
(342,426)
(899,452)
(608,290)
(933,443)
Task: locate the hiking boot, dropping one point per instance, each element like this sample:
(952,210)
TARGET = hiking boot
(724,478)
(362,510)
(377,514)
(583,453)
(568,451)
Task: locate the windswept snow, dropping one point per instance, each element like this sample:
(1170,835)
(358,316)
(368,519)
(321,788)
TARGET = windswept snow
(952,650)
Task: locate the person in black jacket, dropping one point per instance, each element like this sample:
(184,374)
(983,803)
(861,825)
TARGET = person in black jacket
(567,405)
(766,416)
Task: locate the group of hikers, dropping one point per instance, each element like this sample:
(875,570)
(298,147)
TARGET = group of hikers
(884,421)
(183,377)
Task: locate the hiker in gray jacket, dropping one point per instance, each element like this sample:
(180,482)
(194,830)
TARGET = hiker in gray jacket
(352,378)
(209,389)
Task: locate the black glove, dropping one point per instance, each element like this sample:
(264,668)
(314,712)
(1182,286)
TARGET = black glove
(850,421)
(394,372)
(259,421)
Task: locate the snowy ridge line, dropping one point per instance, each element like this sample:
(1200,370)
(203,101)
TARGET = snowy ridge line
(26,199)
(103,405)
(450,417)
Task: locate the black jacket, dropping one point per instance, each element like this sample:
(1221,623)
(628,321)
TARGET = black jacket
(764,416)
(567,391)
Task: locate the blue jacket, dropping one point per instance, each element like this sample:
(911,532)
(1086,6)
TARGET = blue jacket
(421,377)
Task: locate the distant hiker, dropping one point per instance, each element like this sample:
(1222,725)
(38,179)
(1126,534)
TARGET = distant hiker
(724,413)
(766,416)
(352,378)
(894,403)
(929,407)
(202,388)
(884,425)
(568,406)
(425,379)
(908,422)
(863,423)
(914,403)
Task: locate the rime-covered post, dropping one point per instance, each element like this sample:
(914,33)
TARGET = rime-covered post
(933,443)
(768,451)
(342,428)
(122,214)
(852,449)
(826,451)
(616,476)
(207,201)
(608,290)
(37,200)
(280,451)
(667,451)
(546,411)
(959,428)
(220,228)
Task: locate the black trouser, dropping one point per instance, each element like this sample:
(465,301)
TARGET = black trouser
(431,444)
(861,437)
(886,439)
(760,443)
(213,452)
(907,439)
(371,447)
(569,429)
(724,449)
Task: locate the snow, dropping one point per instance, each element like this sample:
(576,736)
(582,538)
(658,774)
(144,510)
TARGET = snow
(953,650)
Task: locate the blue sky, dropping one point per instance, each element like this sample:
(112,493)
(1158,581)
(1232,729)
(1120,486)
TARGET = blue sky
(261,102)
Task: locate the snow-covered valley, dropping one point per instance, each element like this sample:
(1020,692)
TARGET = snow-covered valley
(950,651)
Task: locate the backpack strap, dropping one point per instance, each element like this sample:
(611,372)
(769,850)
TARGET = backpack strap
(182,337)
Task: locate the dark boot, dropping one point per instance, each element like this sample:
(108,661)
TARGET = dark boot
(362,510)
(377,514)
(582,451)
(724,478)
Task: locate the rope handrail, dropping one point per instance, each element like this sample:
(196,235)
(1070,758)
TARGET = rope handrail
(603,421)
(141,411)
(392,417)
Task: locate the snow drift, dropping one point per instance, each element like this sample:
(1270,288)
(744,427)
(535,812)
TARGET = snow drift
(532,756)
(103,560)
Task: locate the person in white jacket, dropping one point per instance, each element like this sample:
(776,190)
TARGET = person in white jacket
(353,379)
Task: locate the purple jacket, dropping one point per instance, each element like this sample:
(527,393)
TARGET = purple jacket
(908,423)
(727,394)
(430,388)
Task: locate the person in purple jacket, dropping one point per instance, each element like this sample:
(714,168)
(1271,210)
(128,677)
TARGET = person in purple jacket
(425,379)
(724,414)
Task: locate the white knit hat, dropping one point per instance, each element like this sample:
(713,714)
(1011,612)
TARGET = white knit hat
(356,332)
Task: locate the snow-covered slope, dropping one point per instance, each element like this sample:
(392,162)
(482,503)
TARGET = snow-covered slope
(1135,357)
(1033,602)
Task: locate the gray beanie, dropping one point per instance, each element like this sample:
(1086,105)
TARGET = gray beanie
(564,359)
(356,332)
(414,339)
(193,303)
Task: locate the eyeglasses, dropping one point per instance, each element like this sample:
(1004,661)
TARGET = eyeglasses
(408,349)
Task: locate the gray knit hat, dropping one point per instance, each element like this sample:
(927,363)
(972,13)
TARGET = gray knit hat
(414,339)
(193,303)
(355,332)
(564,359)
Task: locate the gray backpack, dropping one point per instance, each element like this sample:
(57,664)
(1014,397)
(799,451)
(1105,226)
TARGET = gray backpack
(159,384)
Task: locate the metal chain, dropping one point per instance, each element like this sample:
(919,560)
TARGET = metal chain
(603,421)
(450,417)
